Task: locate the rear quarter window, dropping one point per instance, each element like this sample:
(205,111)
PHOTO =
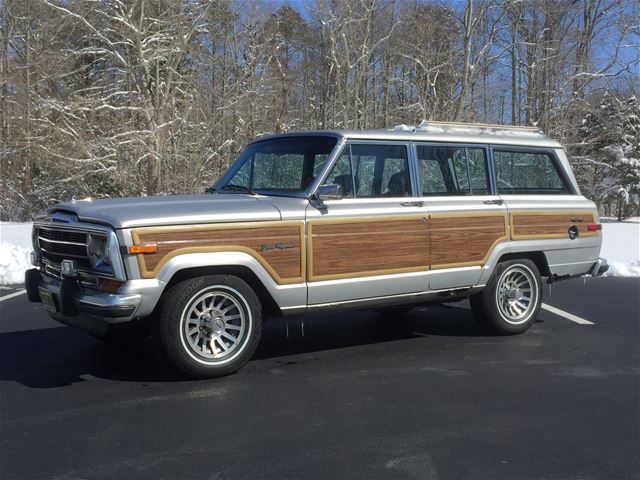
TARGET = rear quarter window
(522,172)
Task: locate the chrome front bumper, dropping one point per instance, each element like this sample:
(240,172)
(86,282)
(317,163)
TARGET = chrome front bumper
(67,299)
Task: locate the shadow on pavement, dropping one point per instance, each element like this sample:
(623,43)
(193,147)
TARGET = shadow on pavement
(54,357)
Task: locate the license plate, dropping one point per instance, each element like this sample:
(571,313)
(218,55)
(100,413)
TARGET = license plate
(47,300)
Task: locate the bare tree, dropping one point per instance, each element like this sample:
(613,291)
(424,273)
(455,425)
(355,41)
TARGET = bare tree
(132,97)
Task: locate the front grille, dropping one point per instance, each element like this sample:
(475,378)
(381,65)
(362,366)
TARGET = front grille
(53,270)
(69,249)
(59,244)
(62,235)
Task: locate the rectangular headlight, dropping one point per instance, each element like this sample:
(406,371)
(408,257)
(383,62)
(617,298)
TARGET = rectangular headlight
(98,251)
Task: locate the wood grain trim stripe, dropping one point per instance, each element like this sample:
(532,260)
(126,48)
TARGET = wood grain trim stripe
(503,237)
(139,234)
(313,277)
(526,225)
(517,226)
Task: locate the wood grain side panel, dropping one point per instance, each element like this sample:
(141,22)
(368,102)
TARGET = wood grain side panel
(280,249)
(464,240)
(360,248)
(549,225)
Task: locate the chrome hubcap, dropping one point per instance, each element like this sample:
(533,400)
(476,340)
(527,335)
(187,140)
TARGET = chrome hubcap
(214,325)
(517,294)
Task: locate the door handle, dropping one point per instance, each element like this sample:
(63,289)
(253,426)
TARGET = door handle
(412,204)
(493,202)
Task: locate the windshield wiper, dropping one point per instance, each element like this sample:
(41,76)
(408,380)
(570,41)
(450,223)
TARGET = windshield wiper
(238,188)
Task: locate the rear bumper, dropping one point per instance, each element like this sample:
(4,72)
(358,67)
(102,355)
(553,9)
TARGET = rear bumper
(68,302)
(599,268)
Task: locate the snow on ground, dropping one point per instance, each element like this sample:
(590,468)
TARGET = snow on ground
(15,245)
(620,246)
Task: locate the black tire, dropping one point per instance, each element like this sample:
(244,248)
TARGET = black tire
(195,353)
(498,306)
(121,334)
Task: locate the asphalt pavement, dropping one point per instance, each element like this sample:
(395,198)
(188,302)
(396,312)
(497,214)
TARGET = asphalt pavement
(361,395)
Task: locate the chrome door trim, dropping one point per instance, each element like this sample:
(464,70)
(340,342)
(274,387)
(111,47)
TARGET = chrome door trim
(401,299)
(342,144)
(328,166)
(484,146)
(414,170)
(557,162)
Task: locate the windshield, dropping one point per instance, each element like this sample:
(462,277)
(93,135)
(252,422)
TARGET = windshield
(286,165)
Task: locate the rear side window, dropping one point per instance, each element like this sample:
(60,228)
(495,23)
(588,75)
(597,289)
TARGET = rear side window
(527,173)
(446,170)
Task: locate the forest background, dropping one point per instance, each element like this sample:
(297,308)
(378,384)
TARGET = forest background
(122,97)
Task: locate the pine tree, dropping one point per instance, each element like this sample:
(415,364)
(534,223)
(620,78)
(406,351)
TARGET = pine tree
(610,164)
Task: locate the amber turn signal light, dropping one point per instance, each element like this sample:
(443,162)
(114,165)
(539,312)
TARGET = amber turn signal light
(594,227)
(144,248)
(110,286)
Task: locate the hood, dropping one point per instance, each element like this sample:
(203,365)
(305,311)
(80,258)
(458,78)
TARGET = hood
(170,210)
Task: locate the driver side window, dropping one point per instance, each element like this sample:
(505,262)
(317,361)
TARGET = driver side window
(372,171)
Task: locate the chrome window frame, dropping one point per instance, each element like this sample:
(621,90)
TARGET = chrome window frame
(346,143)
(491,183)
(235,166)
(557,164)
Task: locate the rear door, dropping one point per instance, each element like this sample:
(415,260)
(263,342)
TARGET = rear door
(466,218)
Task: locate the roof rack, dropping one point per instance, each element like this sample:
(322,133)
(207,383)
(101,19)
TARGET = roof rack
(425,124)
(479,125)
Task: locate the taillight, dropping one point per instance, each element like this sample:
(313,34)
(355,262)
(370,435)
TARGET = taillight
(593,227)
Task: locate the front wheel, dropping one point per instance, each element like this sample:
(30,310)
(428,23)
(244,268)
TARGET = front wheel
(210,326)
(511,300)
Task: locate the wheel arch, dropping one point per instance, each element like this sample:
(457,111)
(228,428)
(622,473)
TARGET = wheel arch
(269,304)
(277,298)
(536,256)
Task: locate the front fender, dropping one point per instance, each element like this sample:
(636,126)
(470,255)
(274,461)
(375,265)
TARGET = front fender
(286,296)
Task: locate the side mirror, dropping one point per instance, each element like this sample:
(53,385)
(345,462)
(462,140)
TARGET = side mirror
(329,192)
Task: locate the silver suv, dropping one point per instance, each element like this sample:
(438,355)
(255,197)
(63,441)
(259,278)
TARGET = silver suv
(323,220)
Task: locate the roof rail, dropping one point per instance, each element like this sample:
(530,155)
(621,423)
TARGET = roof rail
(478,125)
(425,124)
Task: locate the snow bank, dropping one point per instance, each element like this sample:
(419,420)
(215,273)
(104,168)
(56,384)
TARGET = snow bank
(621,248)
(15,245)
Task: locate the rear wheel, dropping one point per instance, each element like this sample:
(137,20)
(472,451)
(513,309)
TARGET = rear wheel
(210,326)
(512,298)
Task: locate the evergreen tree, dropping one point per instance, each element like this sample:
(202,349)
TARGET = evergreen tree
(610,162)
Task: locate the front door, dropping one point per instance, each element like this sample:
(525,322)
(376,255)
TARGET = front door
(466,220)
(374,242)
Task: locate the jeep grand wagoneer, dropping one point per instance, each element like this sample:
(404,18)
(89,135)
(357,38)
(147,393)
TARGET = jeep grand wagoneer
(322,220)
